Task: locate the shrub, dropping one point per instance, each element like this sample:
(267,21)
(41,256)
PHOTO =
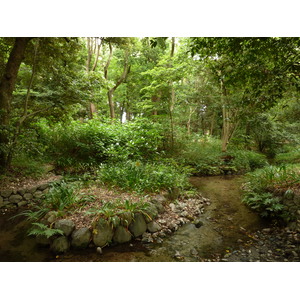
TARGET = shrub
(144,177)
(90,143)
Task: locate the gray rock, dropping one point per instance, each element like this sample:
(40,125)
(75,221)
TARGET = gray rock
(22,203)
(138,226)
(27,196)
(22,192)
(153,227)
(15,198)
(38,194)
(6,194)
(102,233)
(160,198)
(60,245)
(31,190)
(121,235)
(51,216)
(67,226)
(81,238)
(126,218)
(151,212)
(43,186)
(159,206)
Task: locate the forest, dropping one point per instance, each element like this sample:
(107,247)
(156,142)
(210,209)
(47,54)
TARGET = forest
(118,120)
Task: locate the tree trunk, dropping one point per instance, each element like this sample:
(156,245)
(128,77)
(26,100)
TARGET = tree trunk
(7,86)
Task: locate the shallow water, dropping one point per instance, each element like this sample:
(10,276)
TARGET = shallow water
(225,221)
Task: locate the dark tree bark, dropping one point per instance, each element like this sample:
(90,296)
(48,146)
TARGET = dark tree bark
(7,86)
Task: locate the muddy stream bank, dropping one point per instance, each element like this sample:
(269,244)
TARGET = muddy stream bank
(226,223)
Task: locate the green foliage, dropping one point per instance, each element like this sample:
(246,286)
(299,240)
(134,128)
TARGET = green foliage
(40,229)
(61,196)
(264,203)
(31,215)
(93,142)
(144,177)
(120,211)
(290,157)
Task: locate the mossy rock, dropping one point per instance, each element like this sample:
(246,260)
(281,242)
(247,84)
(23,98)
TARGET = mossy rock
(102,233)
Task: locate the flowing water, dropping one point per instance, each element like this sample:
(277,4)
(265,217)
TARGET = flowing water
(225,222)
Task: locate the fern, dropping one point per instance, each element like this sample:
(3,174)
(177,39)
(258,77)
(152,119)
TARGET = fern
(40,229)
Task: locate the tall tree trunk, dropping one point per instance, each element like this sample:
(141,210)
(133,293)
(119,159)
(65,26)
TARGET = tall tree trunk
(7,86)
(172,100)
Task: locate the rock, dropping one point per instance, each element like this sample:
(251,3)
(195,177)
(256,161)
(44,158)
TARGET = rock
(27,196)
(51,216)
(160,198)
(15,198)
(60,245)
(147,238)
(38,194)
(43,186)
(67,226)
(159,206)
(81,238)
(6,194)
(22,203)
(126,218)
(198,223)
(22,192)
(138,226)
(121,235)
(153,227)
(31,190)
(151,212)
(184,214)
(102,233)
(173,207)
(266,230)
(99,250)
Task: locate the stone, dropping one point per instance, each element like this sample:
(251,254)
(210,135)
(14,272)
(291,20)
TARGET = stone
(126,218)
(198,223)
(6,194)
(38,194)
(173,207)
(15,198)
(27,196)
(31,190)
(22,192)
(51,216)
(81,238)
(67,226)
(60,245)
(151,212)
(138,226)
(43,186)
(160,198)
(159,206)
(102,233)
(153,227)
(22,203)
(121,235)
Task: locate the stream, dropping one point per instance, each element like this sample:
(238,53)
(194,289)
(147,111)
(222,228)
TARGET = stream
(225,223)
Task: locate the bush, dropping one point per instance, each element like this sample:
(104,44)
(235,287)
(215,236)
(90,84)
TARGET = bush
(288,157)
(144,177)
(85,144)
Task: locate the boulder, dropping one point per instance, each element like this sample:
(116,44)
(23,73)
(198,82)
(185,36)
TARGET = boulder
(15,198)
(38,195)
(153,227)
(6,194)
(81,238)
(67,226)
(60,245)
(43,186)
(138,226)
(22,203)
(102,233)
(22,192)
(151,212)
(31,190)
(27,196)
(126,218)
(51,216)
(121,235)
(159,206)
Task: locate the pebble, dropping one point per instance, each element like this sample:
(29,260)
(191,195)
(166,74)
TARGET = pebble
(99,250)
